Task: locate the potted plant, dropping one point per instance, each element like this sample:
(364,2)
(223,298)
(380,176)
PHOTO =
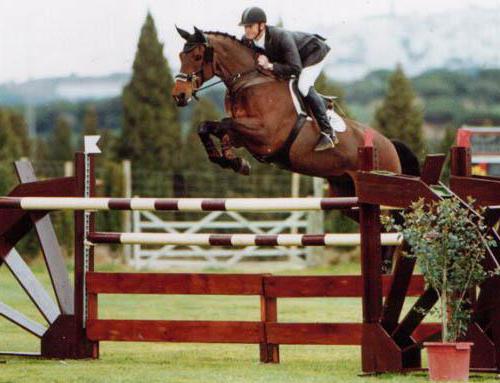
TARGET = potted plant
(449,242)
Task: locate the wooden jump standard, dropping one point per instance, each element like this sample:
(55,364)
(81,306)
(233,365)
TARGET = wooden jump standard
(387,342)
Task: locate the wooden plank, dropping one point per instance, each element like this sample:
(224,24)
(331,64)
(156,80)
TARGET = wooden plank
(415,316)
(415,289)
(21,353)
(161,283)
(175,331)
(433,166)
(460,161)
(35,290)
(371,262)
(313,286)
(399,288)
(236,284)
(269,353)
(332,286)
(54,260)
(391,190)
(21,320)
(314,333)
(484,191)
(425,330)
(54,187)
(56,265)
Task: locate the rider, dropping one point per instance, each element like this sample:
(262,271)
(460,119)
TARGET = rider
(290,54)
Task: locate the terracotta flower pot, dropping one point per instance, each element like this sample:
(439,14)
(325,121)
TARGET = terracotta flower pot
(448,361)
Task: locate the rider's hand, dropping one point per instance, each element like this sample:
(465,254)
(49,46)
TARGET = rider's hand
(263,61)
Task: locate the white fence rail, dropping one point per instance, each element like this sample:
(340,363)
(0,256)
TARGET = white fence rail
(154,257)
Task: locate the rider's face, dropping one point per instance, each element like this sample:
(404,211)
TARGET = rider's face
(253,30)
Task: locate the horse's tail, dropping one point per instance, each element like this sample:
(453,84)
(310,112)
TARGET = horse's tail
(408,159)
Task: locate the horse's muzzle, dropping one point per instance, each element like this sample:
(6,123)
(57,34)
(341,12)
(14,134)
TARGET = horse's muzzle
(181,99)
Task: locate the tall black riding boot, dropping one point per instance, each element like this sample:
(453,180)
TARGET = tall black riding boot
(327,139)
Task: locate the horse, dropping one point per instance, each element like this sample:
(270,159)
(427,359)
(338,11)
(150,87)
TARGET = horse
(264,119)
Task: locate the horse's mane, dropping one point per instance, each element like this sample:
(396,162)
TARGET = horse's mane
(234,38)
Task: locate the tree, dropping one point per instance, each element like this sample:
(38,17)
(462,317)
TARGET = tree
(20,128)
(60,145)
(10,143)
(399,117)
(90,122)
(194,156)
(328,87)
(41,150)
(151,132)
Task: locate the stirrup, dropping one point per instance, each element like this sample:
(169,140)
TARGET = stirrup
(326,141)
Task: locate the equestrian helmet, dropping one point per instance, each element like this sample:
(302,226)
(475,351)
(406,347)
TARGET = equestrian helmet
(253,15)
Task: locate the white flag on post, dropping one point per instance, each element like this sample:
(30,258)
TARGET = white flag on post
(90,144)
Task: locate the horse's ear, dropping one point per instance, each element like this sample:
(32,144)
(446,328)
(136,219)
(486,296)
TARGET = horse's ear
(199,35)
(184,34)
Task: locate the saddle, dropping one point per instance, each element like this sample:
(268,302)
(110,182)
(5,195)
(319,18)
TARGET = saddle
(281,158)
(304,109)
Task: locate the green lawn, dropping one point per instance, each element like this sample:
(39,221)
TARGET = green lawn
(157,362)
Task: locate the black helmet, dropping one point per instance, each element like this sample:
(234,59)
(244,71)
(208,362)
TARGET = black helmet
(253,15)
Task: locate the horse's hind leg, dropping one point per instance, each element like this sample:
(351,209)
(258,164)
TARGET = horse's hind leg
(226,159)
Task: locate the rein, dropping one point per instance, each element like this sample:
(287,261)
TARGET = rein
(208,58)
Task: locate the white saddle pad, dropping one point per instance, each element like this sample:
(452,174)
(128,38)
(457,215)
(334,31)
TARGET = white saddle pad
(337,122)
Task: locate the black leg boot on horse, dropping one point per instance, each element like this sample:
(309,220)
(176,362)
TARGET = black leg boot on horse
(327,139)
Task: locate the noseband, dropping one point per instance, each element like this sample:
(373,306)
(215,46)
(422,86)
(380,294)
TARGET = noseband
(208,58)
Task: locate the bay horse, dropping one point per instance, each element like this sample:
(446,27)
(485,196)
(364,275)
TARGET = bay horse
(263,118)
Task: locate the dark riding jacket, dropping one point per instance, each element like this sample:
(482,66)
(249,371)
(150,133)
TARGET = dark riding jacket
(291,51)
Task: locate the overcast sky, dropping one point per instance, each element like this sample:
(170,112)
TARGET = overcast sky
(44,38)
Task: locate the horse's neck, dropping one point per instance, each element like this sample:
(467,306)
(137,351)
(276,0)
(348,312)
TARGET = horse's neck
(232,57)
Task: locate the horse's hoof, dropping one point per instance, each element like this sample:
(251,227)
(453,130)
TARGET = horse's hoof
(326,142)
(244,168)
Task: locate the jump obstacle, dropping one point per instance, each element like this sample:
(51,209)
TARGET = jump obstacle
(388,343)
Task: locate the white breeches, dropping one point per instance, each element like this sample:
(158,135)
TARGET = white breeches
(308,76)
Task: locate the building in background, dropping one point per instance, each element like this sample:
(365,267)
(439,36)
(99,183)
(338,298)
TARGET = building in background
(485,146)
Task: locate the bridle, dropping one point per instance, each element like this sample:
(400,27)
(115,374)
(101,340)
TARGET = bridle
(202,74)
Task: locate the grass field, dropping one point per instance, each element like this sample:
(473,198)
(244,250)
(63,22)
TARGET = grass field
(162,362)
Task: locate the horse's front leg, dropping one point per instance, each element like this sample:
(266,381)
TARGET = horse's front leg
(226,159)
(205,129)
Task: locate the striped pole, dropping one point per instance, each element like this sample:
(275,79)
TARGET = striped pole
(181,204)
(237,239)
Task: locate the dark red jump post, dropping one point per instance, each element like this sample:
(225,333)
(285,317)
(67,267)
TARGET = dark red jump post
(485,329)
(371,264)
(62,336)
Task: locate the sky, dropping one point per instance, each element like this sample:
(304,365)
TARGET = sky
(52,38)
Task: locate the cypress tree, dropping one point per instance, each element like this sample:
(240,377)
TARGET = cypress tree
(10,150)
(20,128)
(41,150)
(399,117)
(10,145)
(60,145)
(90,122)
(151,132)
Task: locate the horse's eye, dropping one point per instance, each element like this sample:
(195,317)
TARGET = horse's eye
(197,57)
